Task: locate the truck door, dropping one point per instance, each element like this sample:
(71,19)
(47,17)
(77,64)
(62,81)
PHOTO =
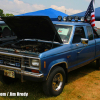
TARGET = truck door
(91,43)
(81,53)
(77,54)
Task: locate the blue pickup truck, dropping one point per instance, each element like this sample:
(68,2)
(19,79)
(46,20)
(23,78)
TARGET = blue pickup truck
(45,51)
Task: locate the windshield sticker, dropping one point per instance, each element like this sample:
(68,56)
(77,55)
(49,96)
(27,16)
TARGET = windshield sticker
(63,31)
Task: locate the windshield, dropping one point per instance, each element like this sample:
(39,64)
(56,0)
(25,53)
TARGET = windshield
(64,32)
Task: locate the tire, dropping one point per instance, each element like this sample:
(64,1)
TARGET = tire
(8,80)
(55,82)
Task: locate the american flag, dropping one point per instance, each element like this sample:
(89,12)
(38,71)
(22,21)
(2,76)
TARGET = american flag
(90,12)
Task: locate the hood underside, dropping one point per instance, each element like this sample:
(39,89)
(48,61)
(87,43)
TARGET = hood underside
(33,27)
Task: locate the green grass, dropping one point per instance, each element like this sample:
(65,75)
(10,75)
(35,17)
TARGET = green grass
(83,84)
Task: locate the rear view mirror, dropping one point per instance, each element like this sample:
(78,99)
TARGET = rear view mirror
(84,41)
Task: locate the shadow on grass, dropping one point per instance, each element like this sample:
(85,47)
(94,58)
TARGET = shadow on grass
(34,90)
(80,72)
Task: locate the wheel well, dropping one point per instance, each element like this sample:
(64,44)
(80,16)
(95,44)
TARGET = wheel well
(64,66)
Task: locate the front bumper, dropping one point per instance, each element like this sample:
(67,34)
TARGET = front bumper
(9,63)
(24,75)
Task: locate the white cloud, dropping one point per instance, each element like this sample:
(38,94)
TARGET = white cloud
(88,0)
(69,11)
(18,2)
(18,7)
(38,7)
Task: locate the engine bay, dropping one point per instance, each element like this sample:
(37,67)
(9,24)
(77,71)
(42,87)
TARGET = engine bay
(30,46)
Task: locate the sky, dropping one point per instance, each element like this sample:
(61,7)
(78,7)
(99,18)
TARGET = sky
(69,7)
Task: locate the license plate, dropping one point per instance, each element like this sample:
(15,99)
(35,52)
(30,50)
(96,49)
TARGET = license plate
(9,73)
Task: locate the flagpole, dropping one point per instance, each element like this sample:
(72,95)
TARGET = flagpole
(94,6)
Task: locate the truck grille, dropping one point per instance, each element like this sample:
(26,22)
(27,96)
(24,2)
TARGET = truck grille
(13,61)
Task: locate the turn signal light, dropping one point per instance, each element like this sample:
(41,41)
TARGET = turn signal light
(44,64)
(35,71)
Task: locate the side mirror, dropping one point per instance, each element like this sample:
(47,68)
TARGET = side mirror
(84,41)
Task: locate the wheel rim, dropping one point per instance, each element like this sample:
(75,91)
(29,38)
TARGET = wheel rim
(57,82)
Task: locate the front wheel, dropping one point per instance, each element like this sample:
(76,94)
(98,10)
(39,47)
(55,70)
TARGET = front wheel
(55,82)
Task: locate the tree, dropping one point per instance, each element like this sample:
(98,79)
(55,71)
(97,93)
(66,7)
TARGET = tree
(4,15)
(7,14)
(1,13)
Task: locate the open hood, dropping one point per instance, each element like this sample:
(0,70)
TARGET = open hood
(33,27)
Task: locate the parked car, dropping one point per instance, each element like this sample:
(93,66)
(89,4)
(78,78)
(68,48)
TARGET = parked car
(5,32)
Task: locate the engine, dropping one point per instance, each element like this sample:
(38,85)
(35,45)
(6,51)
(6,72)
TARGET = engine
(31,46)
(37,47)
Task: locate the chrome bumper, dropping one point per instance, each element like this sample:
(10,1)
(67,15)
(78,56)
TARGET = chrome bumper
(21,72)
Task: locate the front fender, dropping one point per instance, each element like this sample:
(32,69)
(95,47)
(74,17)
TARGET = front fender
(56,62)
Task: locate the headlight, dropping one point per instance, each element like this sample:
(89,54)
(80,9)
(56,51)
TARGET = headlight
(59,18)
(76,18)
(82,19)
(88,18)
(69,18)
(35,62)
(64,18)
